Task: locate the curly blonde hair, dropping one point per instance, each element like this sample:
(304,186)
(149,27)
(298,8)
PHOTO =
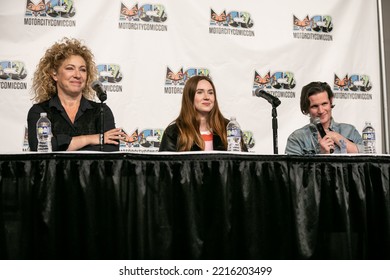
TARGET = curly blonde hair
(44,87)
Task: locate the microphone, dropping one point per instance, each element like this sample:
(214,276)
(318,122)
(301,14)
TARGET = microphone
(275,102)
(320,128)
(100,92)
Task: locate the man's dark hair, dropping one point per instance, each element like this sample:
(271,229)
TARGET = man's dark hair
(309,90)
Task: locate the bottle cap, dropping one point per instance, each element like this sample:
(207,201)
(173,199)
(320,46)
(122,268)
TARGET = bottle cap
(43,114)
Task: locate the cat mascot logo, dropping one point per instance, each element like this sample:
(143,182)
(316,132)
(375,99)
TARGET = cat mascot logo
(277,80)
(316,23)
(180,77)
(146,13)
(52,8)
(353,83)
(233,19)
(148,140)
(12,70)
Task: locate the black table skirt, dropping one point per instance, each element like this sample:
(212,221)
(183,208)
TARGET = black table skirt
(194,206)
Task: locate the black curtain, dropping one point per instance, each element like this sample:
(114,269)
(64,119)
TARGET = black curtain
(193,206)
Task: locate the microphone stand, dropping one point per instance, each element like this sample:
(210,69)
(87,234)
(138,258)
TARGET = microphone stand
(275,102)
(101,136)
(102,97)
(275,128)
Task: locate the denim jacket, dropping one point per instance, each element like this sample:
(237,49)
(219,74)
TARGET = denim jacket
(304,141)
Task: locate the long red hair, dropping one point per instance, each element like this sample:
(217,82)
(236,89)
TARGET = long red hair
(188,122)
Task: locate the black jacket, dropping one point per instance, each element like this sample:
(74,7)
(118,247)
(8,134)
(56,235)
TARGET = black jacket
(87,122)
(171,136)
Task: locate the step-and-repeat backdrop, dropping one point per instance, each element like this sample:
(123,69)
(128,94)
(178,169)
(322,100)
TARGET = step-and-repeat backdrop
(146,50)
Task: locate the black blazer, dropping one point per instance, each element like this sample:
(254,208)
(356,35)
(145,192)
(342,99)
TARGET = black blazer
(171,136)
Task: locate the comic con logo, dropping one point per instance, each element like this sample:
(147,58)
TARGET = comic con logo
(314,28)
(50,13)
(355,86)
(233,23)
(148,140)
(146,17)
(110,75)
(11,75)
(175,80)
(249,139)
(278,84)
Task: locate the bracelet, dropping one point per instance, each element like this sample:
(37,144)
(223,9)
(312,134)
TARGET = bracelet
(101,139)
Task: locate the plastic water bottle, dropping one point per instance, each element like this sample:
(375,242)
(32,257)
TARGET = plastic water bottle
(233,135)
(368,136)
(44,133)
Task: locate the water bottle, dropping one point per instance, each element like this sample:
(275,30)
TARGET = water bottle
(368,136)
(44,133)
(233,135)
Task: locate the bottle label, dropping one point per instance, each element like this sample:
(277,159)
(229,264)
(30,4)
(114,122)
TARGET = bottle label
(368,135)
(44,131)
(233,133)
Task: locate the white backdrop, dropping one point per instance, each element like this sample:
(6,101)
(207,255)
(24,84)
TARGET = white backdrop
(135,51)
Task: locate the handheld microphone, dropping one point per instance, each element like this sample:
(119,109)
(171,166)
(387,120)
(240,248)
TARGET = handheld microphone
(100,92)
(320,128)
(275,102)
